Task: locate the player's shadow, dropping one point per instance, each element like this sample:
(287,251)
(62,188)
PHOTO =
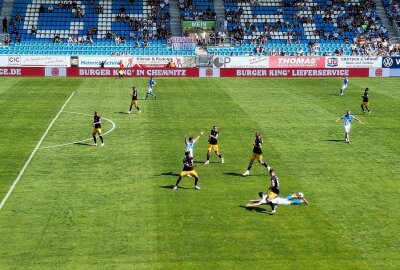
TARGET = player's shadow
(254,209)
(169,174)
(237,174)
(172,186)
(82,144)
(122,112)
(333,140)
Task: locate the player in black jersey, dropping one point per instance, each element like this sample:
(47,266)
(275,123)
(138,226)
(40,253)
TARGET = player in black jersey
(365,101)
(134,100)
(273,190)
(188,170)
(257,154)
(213,145)
(97,128)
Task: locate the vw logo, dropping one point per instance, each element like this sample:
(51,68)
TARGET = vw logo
(387,62)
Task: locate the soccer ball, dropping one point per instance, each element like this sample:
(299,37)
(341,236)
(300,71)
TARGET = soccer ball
(300,195)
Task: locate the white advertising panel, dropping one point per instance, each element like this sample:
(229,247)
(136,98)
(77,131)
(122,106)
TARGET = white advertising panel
(55,72)
(209,72)
(43,61)
(241,62)
(128,61)
(353,62)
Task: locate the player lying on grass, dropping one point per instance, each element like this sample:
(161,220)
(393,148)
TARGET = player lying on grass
(295,198)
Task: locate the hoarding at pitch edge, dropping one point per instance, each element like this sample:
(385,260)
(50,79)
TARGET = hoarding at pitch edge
(133,72)
(22,71)
(294,72)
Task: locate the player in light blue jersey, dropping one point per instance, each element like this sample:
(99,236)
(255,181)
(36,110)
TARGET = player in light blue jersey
(347,119)
(293,199)
(152,83)
(189,144)
(344,85)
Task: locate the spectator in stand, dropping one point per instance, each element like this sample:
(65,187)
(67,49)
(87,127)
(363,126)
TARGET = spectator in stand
(5,25)
(50,9)
(57,38)
(17,38)
(33,30)
(41,9)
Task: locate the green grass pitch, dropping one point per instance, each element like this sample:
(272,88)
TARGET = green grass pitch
(112,207)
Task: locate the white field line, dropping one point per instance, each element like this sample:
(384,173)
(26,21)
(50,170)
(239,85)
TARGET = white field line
(85,140)
(33,153)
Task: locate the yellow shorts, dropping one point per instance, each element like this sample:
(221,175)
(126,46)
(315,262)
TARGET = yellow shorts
(256,156)
(186,173)
(213,147)
(133,102)
(272,195)
(97,131)
(366,104)
(120,72)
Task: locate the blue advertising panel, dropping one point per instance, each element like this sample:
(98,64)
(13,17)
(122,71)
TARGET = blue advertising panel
(391,62)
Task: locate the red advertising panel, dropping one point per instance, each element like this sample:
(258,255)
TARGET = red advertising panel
(297,61)
(21,71)
(141,72)
(294,72)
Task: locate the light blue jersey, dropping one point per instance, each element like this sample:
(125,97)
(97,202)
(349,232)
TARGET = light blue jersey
(347,119)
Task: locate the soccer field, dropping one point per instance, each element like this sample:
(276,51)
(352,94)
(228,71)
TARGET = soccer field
(75,206)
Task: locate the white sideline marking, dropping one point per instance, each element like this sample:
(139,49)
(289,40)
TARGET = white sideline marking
(33,153)
(85,140)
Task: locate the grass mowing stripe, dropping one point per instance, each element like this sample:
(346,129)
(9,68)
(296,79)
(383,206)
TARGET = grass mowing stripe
(33,153)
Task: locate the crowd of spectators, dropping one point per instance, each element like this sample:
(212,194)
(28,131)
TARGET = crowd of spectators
(392,10)
(190,11)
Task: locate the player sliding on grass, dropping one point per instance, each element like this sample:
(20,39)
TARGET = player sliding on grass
(188,170)
(257,154)
(293,199)
(97,128)
(213,145)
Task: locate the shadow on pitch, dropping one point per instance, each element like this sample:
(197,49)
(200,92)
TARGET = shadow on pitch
(168,174)
(172,186)
(122,112)
(333,141)
(254,209)
(83,144)
(237,174)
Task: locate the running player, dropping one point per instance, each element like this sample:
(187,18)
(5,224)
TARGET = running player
(187,170)
(213,145)
(152,83)
(134,101)
(344,85)
(365,101)
(257,154)
(273,190)
(189,143)
(347,119)
(97,128)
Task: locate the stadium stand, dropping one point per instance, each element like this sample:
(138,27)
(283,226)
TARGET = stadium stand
(197,10)
(142,27)
(392,9)
(294,27)
(91,28)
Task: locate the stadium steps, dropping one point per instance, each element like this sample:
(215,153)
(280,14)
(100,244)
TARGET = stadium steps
(219,9)
(7,9)
(380,9)
(176,26)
